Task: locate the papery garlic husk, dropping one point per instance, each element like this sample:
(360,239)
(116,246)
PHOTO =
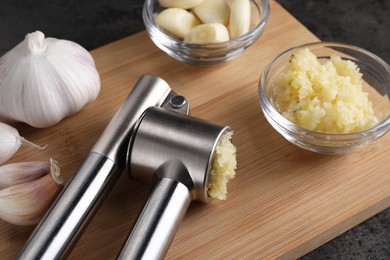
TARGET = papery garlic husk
(21,172)
(25,204)
(11,141)
(43,80)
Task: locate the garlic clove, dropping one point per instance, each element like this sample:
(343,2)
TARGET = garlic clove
(213,11)
(11,141)
(184,4)
(43,80)
(240,18)
(25,204)
(21,172)
(177,21)
(208,33)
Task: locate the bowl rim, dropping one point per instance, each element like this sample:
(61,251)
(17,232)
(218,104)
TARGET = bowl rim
(293,128)
(151,26)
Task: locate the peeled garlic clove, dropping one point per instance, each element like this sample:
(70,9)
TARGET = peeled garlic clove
(43,80)
(240,17)
(21,172)
(177,21)
(25,204)
(185,4)
(208,33)
(10,142)
(213,11)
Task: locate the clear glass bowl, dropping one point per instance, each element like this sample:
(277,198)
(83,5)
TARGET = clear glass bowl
(376,81)
(205,54)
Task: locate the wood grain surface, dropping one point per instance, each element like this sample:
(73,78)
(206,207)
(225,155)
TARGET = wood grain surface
(284,201)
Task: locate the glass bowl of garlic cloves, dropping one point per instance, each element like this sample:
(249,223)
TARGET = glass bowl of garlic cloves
(205,32)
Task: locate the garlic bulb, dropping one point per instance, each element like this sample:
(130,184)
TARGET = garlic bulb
(43,80)
(10,142)
(25,204)
(16,173)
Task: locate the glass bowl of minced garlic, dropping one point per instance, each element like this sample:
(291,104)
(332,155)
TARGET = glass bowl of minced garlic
(328,98)
(205,32)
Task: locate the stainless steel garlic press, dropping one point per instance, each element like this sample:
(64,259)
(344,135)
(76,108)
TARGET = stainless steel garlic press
(161,145)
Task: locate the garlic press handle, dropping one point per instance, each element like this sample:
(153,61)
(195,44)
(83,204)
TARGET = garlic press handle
(60,229)
(157,224)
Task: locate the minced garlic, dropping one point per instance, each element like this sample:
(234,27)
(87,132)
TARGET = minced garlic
(324,97)
(223,167)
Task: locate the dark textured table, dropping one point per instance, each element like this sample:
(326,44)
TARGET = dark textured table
(364,23)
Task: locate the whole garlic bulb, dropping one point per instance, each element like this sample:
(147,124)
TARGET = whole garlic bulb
(43,80)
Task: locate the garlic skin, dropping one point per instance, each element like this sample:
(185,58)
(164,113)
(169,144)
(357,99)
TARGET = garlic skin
(11,141)
(25,204)
(21,172)
(43,80)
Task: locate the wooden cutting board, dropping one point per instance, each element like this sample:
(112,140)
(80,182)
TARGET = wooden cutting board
(284,201)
